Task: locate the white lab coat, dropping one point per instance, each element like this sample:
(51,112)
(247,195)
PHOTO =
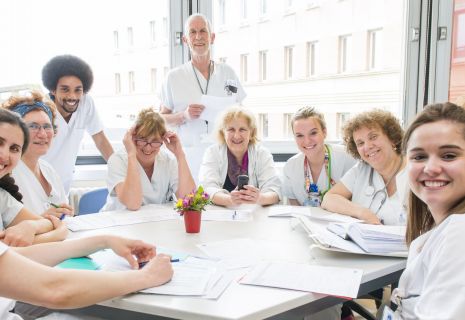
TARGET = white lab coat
(433,284)
(261,170)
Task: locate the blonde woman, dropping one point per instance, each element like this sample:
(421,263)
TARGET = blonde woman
(239,153)
(145,172)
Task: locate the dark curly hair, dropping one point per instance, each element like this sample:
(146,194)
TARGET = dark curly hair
(7,182)
(67,65)
(377,118)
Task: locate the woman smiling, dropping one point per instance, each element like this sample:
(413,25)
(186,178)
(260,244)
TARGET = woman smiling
(238,153)
(144,172)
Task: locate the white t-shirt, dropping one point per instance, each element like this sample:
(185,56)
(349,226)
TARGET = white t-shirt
(160,189)
(433,284)
(293,185)
(9,208)
(34,197)
(180,89)
(393,212)
(65,146)
(6,304)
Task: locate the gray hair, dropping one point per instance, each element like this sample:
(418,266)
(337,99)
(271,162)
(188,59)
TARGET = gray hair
(192,17)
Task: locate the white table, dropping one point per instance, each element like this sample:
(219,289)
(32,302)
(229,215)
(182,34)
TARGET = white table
(242,301)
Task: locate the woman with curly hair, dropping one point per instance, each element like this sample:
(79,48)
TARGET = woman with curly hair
(145,172)
(374,190)
(19,227)
(41,186)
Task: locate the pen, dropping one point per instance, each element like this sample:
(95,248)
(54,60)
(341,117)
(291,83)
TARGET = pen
(234,215)
(143,263)
(57,206)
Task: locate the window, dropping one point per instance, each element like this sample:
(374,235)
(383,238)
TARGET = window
(153,32)
(344,53)
(263,125)
(288,62)
(132,82)
(311,58)
(130,37)
(244,67)
(117,83)
(263,7)
(153,80)
(341,118)
(287,127)
(457,63)
(116,40)
(244,9)
(374,49)
(262,66)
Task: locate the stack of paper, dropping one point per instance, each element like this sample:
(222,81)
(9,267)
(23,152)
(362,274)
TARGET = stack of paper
(315,213)
(377,238)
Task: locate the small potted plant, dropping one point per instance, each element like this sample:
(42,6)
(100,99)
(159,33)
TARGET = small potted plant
(191,207)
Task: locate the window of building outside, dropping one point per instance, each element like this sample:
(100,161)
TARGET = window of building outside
(131,82)
(374,49)
(287,127)
(244,70)
(457,69)
(344,53)
(117,83)
(328,59)
(116,40)
(153,80)
(262,66)
(130,37)
(311,58)
(288,62)
(263,126)
(153,32)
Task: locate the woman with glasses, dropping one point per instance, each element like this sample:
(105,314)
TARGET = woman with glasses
(145,172)
(375,189)
(38,182)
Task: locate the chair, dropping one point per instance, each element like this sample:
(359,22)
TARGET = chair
(92,201)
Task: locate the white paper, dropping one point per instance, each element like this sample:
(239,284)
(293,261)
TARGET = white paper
(315,213)
(108,219)
(214,106)
(342,282)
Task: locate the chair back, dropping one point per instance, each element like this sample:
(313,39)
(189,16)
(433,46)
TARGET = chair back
(92,201)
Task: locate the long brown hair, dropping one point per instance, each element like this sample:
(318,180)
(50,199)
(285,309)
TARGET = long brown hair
(420,219)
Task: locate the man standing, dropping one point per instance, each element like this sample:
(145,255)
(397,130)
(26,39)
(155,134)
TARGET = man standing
(185,85)
(69,79)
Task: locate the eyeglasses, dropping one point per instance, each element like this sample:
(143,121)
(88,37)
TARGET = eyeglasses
(35,127)
(142,143)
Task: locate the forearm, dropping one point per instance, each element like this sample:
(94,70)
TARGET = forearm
(185,181)
(57,234)
(339,204)
(63,250)
(294,202)
(222,199)
(267,198)
(62,289)
(105,148)
(175,119)
(130,191)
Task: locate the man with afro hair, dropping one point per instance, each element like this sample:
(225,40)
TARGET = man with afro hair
(69,79)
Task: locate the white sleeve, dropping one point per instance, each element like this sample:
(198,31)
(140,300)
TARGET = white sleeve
(166,96)
(267,176)
(93,123)
(209,174)
(10,208)
(350,178)
(173,178)
(443,294)
(117,171)
(286,185)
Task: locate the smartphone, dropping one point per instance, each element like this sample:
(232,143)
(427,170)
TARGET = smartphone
(242,180)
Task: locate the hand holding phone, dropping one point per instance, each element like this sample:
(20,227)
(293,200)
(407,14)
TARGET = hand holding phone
(242,180)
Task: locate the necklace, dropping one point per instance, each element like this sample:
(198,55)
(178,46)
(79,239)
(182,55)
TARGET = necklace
(310,185)
(197,77)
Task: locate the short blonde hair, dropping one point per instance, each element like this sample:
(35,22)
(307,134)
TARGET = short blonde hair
(379,119)
(308,112)
(235,113)
(149,123)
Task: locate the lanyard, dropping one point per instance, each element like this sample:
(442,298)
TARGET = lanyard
(310,185)
(197,78)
